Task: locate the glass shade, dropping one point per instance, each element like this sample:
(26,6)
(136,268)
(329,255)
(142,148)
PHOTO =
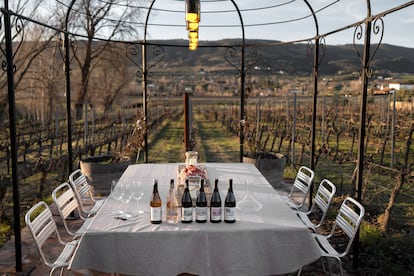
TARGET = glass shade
(192,17)
(192,10)
(192,26)
(193,34)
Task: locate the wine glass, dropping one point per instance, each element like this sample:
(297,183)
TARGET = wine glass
(116,189)
(137,193)
(126,192)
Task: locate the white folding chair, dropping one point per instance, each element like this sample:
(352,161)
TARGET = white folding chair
(83,192)
(320,205)
(301,188)
(346,225)
(66,203)
(42,227)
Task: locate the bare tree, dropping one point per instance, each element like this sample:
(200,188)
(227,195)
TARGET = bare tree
(403,175)
(112,77)
(29,43)
(106,20)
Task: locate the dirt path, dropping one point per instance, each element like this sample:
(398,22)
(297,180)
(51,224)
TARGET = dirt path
(214,143)
(166,146)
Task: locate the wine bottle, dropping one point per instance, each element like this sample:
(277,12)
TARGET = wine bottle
(155,205)
(186,205)
(230,204)
(215,205)
(172,205)
(201,204)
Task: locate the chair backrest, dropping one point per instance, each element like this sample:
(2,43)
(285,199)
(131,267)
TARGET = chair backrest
(81,187)
(39,221)
(303,180)
(323,199)
(66,203)
(348,219)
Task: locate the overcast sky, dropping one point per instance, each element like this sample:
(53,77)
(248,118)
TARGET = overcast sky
(284,20)
(276,23)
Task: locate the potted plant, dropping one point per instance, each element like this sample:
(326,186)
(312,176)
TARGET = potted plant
(135,142)
(269,163)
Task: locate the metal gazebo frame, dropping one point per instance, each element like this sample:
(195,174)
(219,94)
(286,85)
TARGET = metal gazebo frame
(371,25)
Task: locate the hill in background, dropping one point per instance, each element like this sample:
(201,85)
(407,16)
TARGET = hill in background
(291,59)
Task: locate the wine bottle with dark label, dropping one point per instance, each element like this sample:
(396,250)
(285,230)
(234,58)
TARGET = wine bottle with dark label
(201,205)
(155,205)
(186,205)
(215,205)
(230,205)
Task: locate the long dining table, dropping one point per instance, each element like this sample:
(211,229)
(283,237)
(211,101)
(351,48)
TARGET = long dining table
(266,239)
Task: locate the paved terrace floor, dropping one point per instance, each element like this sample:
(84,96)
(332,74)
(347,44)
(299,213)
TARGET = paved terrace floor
(33,266)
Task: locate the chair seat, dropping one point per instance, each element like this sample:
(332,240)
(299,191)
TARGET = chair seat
(327,249)
(66,255)
(291,202)
(305,219)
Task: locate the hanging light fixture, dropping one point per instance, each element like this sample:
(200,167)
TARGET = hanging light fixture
(192,17)
(192,11)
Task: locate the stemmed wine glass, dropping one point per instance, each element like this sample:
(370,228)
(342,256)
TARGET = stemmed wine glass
(116,189)
(137,193)
(126,193)
(120,192)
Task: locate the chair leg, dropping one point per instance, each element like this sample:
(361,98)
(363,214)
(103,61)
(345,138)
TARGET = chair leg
(341,270)
(323,264)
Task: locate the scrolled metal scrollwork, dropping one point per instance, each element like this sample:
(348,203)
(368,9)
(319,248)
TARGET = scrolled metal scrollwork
(252,58)
(19,32)
(358,35)
(377,30)
(232,55)
(158,53)
(321,51)
(133,53)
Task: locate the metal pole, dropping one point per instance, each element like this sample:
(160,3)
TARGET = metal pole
(323,119)
(393,130)
(294,128)
(187,121)
(13,141)
(362,121)
(315,100)
(258,123)
(144,82)
(144,99)
(68,90)
(388,112)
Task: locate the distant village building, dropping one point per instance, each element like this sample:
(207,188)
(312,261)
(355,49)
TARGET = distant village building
(400,86)
(396,86)
(387,88)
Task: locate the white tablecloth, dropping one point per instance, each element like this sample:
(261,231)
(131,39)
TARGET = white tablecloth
(270,241)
